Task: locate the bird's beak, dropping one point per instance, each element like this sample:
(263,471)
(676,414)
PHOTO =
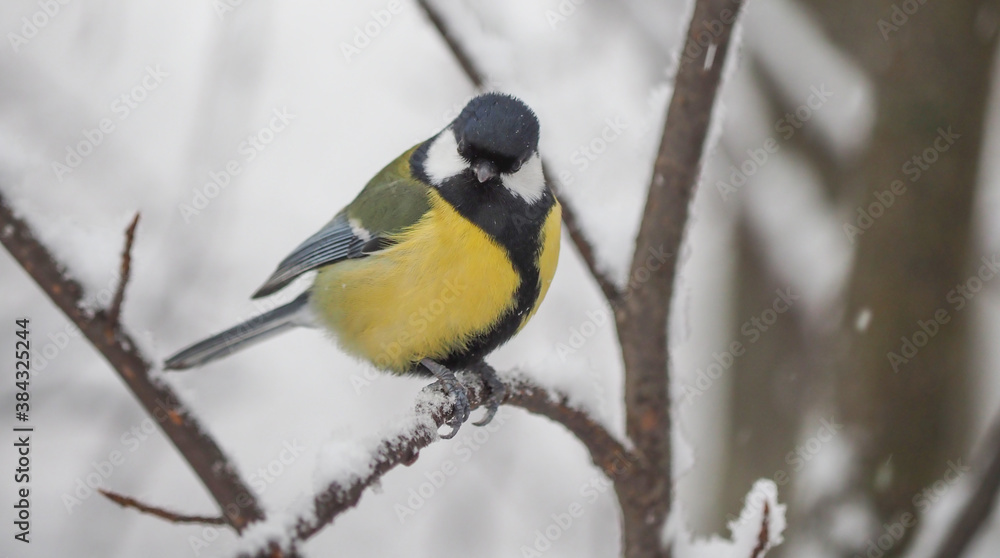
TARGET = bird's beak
(484,170)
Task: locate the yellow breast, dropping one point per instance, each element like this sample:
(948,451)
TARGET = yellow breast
(548,258)
(443,282)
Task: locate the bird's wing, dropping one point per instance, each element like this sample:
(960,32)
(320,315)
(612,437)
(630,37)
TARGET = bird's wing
(392,201)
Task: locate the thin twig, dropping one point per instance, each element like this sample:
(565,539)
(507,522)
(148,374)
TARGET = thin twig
(114,311)
(206,458)
(431,412)
(173,517)
(764,538)
(980,506)
(570,219)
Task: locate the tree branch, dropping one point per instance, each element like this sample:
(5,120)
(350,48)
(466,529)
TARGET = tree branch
(606,452)
(643,318)
(570,219)
(157,398)
(419,430)
(172,517)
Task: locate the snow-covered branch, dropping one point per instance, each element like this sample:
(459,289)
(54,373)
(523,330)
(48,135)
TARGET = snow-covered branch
(107,335)
(401,445)
(359,464)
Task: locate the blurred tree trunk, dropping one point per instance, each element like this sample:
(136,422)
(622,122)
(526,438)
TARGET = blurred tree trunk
(930,64)
(775,382)
(769,383)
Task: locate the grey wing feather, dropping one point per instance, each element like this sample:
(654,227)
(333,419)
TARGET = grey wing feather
(334,242)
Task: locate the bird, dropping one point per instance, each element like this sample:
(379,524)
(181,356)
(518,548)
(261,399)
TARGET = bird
(443,257)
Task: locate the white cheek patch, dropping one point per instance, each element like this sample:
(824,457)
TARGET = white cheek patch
(528,182)
(443,160)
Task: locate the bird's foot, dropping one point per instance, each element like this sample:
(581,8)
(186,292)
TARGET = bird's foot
(498,392)
(451,386)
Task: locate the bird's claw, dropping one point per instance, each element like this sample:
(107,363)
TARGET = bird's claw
(498,392)
(455,390)
(461,411)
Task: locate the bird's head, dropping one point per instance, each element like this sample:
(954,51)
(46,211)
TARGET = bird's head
(494,141)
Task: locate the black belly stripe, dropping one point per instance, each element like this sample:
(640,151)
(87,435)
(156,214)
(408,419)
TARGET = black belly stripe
(517,226)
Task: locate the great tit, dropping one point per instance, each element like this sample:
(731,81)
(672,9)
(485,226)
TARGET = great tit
(443,256)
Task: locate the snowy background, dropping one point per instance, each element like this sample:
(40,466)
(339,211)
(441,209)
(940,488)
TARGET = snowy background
(198,81)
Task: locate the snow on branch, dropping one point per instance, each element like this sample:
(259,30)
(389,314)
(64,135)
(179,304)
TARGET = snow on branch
(758,529)
(352,466)
(107,335)
(401,445)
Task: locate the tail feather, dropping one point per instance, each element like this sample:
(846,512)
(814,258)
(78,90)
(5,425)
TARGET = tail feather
(295,313)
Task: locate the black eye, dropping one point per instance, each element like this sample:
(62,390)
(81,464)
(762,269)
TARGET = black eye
(516,167)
